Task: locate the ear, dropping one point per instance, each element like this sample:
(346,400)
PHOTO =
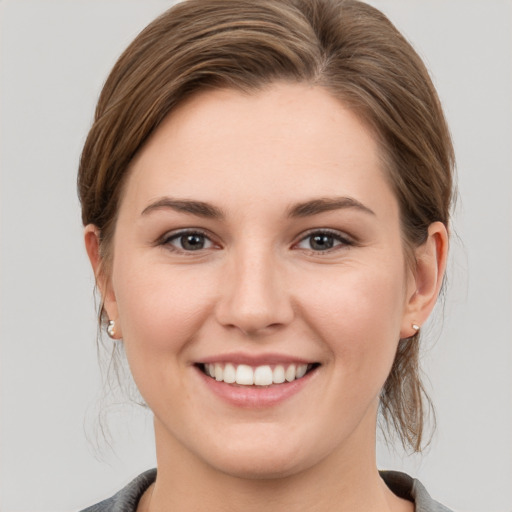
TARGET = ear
(103,279)
(425,278)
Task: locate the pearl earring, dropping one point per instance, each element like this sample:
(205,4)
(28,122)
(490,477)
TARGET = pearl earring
(111,329)
(416,327)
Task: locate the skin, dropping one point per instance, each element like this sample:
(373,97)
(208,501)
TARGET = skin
(259,286)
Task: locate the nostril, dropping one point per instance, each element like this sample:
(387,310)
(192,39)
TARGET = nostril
(254,303)
(254,328)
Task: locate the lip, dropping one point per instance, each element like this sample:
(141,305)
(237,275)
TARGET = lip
(255,360)
(254,397)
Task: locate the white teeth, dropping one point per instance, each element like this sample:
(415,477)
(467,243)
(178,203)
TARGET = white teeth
(229,374)
(263,376)
(301,371)
(290,373)
(278,374)
(246,375)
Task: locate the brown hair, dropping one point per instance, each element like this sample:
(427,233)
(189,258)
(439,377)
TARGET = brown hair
(345,46)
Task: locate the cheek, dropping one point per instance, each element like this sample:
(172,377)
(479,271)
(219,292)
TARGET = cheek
(160,310)
(359,311)
(160,313)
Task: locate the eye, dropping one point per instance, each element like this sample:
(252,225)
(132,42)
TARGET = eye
(323,240)
(188,241)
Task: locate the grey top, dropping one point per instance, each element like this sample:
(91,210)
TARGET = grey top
(402,485)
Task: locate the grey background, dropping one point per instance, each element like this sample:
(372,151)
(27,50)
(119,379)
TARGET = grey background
(54,56)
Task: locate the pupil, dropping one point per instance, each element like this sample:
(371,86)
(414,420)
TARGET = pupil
(192,242)
(322,242)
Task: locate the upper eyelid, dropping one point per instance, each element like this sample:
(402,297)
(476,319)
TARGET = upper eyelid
(335,232)
(344,240)
(168,239)
(173,234)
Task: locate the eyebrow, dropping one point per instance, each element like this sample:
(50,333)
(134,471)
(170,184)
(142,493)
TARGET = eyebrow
(199,208)
(305,209)
(326,204)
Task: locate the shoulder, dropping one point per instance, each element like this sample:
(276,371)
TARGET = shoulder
(127,499)
(411,489)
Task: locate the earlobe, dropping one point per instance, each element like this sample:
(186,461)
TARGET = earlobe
(427,278)
(103,281)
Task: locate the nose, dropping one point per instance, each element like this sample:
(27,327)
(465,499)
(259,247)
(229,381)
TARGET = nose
(254,296)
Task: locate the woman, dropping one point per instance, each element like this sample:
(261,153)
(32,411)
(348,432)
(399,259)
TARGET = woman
(266,192)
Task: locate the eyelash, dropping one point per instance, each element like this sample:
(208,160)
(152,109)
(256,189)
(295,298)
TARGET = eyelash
(167,240)
(343,241)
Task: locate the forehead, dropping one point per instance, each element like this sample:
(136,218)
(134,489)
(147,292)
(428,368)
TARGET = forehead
(278,144)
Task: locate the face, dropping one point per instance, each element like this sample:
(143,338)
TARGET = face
(259,281)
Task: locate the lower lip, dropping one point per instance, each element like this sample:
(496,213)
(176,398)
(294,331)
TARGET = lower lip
(253,397)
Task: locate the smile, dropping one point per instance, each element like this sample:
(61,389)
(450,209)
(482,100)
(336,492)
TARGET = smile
(264,375)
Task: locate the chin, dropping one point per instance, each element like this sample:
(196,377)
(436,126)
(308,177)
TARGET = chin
(268,459)
(256,467)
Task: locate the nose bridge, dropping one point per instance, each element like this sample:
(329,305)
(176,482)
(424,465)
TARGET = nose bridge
(254,296)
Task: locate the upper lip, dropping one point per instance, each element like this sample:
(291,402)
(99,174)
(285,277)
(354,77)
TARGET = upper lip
(255,360)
